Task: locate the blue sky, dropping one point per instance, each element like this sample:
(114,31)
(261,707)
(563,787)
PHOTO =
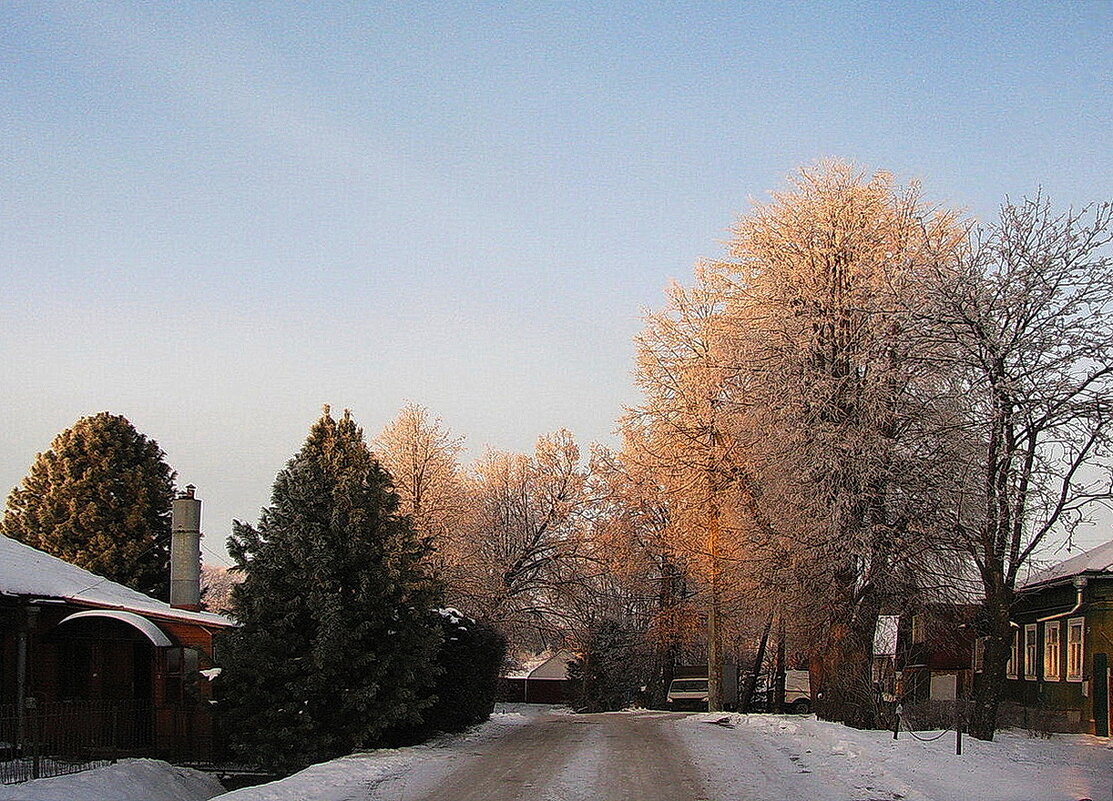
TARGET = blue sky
(216,217)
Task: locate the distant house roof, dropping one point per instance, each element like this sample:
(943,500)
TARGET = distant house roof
(549,667)
(28,571)
(1094,561)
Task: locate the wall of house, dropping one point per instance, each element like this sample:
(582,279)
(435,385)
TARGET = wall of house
(1061,704)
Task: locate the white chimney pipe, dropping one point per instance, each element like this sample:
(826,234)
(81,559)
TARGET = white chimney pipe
(185,551)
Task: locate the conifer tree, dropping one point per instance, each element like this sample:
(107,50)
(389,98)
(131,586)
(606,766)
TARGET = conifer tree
(336,643)
(99,498)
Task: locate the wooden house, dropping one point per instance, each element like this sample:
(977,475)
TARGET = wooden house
(1059,671)
(80,651)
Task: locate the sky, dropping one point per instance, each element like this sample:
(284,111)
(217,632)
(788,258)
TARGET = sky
(215,218)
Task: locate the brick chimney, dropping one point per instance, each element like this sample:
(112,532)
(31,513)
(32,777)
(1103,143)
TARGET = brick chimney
(185,551)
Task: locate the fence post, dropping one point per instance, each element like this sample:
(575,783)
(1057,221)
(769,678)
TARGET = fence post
(36,725)
(115,734)
(958,728)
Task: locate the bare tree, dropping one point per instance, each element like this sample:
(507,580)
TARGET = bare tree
(1023,317)
(524,536)
(422,457)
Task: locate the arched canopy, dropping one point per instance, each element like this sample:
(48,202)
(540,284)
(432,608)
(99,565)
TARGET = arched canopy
(152,632)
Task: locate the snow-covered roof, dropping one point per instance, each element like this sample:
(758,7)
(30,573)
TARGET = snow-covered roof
(28,571)
(1095,560)
(545,667)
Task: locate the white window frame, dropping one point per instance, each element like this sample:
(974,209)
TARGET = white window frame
(1076,649)
(1052,651)
(1031,651)
(1014,656)
(979,655)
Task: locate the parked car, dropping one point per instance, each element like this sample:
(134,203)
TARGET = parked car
(689,689)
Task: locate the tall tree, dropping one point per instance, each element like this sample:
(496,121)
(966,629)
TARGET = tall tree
(681,435)
(837,381)
(336,642)
(1024,317)
(423,458)
(99,498)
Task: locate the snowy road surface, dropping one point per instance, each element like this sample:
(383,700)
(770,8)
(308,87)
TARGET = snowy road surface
(537,754)
(566,758)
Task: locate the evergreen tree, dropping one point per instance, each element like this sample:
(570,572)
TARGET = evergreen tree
(336,642)
(100,499)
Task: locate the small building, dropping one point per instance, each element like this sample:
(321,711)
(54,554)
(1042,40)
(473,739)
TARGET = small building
(543,681)
(106,666)
(1059,671)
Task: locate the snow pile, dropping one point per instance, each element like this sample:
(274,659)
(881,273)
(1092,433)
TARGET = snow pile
(128,780)
(777,756)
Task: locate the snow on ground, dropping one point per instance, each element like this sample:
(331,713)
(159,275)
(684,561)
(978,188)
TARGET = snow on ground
(127,780)
(788,756)
(753,757)
(357,775)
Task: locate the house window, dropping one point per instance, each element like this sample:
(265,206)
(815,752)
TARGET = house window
(1014,656)
(1075,642)
(979,654)
(919,635)
(1031,651)
(181,675)
(1052,651)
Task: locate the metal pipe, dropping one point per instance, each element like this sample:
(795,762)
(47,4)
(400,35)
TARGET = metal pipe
(1079,585)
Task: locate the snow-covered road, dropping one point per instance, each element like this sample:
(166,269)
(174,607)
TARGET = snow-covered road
(537,754)
(565,758)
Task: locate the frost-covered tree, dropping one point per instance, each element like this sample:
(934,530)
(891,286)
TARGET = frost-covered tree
(336,642)
(99,498)
(835,386)
(1024,320)
(216,588)
(680,436)
(524,537)
(423,458)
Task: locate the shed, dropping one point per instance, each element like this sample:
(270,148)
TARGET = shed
(543,681)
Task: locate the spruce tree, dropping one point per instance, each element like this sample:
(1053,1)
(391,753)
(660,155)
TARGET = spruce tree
(99,498)
(335,643)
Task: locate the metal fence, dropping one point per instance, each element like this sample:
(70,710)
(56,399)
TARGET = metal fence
(69,736)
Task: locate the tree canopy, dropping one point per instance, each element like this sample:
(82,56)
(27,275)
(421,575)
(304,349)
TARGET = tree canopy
(99,498)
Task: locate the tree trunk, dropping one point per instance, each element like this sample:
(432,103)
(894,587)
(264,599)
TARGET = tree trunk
(747,695)
(990,686)
(714,639)
(779,685)
(848,668)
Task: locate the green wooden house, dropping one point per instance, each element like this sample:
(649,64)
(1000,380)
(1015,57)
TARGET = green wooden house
(1059,671)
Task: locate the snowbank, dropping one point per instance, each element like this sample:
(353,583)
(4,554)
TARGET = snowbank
(761,756)
(128,780)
